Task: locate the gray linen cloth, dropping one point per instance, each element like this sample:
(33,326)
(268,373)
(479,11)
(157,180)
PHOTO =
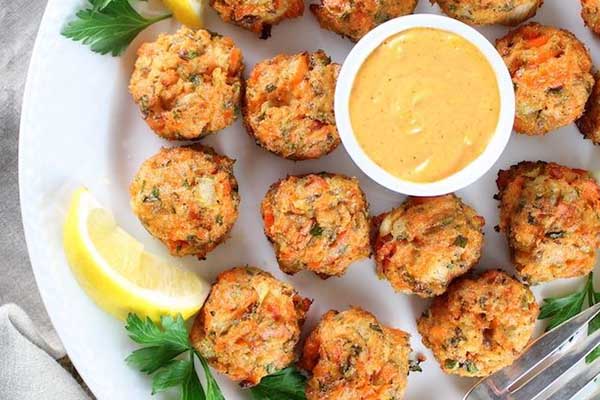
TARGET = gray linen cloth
(28,369)
(19,21)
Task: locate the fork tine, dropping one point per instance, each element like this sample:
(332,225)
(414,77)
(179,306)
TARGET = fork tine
(547,377)
(573,389)
(539,351)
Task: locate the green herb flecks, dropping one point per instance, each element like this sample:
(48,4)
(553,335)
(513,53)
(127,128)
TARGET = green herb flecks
(153,196)
(415,365)
(381,17)
(164,345)
(316,230)
(108,26)
(470,367)
(376,327)
(188,55)
(450,364)
(461,241)
(195,79)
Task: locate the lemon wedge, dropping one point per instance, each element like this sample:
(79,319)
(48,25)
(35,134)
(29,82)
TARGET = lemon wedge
(116,272)
(188,12)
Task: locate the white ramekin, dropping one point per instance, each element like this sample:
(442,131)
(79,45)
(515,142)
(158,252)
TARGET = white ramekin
(472,171)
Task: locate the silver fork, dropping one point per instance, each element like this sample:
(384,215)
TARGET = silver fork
(528,379)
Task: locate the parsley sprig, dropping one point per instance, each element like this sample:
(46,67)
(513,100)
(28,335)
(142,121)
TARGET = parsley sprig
(168,356)
(164,343)
(108,26)
(561,309)
(286,384)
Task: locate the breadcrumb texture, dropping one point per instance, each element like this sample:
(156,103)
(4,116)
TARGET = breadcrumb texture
(317,222)
(551,73)
(186,197)
(257,16)
(350,355)
(354,19)
(480,325)
(250,325)
(421,246)
(551,216)
(188,84)
(486,12)
(590,12)
(288,105)
(589,123)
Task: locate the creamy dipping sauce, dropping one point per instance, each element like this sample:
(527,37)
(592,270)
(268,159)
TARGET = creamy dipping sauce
(424,104)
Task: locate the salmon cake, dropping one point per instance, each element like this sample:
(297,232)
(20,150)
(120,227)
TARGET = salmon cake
(288,105)
(350,355)
(188,84)
(486,12)
(589,123)
(551,217)
(317,222)
(257,16)
(590,12)
(186,197)
(250,325)
(421,246)
(354,19)
(551,72)
(480,325)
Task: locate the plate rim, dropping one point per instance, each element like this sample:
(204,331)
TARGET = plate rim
(81,368)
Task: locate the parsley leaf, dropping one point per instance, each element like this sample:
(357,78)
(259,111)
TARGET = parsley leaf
(560,309)
(173,374)
(191,389)
(164,343)
(287,384)
(151,359)
(108,26)
(212,388)
(594,325)
(173,331)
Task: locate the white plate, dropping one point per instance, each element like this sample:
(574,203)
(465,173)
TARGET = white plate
(80,126)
